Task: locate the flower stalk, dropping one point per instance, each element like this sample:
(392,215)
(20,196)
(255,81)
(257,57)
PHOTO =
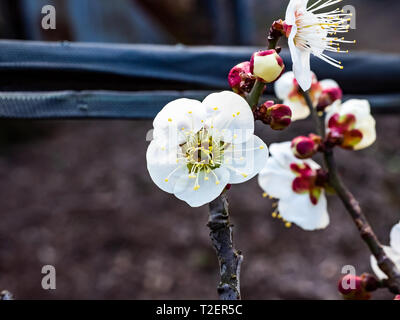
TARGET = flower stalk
(354,209)
(229,258)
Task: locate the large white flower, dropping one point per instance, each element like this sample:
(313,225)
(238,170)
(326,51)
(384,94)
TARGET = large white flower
(393,252)
(295,183)
(200,147)
(312,32)
(352,123)
(287,89)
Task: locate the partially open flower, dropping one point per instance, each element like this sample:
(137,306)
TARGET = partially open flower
(297,185)
(305,147)
(351,125)
(241,79)
(201,147)
(312,32)
(331,92)
(392,251)
(278,116)
(267,65)
(288,90)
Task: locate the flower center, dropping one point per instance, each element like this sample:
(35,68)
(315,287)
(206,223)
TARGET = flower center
(203,152)
(306,181)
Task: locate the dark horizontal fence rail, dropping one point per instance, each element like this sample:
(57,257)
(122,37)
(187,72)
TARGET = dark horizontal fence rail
(76,80)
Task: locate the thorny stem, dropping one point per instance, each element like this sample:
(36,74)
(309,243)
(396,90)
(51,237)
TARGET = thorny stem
(229,258)
(353,207)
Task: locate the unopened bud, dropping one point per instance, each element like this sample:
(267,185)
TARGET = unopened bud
(397,297)
(241,79)
(267,65)
(305,147)
(353,288)
(278,116)
(331,92)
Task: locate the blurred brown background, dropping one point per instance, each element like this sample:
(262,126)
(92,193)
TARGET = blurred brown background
(77,194)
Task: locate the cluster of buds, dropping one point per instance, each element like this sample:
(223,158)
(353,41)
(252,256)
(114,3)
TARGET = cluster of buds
(241,79)
(358,287)
(278,116)
(306,147)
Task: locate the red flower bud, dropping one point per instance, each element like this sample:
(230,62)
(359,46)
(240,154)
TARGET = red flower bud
(353,288)
(267,65)
(305,147)
(329,96)
(241,79)
(278,116)
(397,297)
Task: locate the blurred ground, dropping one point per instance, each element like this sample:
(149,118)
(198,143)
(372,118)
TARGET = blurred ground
(77,195)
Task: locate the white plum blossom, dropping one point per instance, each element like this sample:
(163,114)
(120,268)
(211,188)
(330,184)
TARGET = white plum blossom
(294,183)
(392,251)
(201,147)
(352,123)
(310,31)
(288,90)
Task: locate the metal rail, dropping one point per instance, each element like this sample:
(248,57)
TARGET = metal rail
(75,80)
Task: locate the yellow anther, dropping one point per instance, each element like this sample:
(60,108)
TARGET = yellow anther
(234,115)
(217,182)
(261,147)
(264,195)
(216,108)
(166,180)
(288,224)
(274,215)
(238,113)
(279,216)
(206,178)
(244,175)
(170,120)
(196,188)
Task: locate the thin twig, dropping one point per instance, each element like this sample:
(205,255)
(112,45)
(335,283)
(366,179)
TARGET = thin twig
(229,258)
(353,207)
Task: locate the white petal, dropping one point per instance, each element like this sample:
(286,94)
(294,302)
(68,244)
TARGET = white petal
(392,254)
(283,153)
(229,114)
(209,190)
(395,238)
(276,180)
(246,160)
(161,162)
(180,114)
(294,5)
(299,110)
(368,129)
(356,106)
(328,84)
(284,85)
(299,209)
(301,64)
